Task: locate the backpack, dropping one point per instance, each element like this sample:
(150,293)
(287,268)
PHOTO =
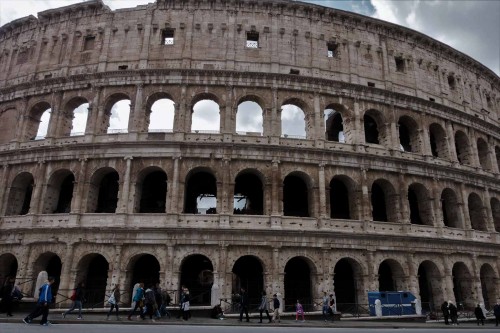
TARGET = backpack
(73,296)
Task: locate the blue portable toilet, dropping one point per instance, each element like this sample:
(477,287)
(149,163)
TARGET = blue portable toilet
(394,303)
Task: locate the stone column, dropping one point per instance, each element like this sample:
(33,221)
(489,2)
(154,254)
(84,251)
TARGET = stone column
(448,281)
(413,276)
(20,135)
(172,191)
(56,114)
(322,190)
(116,269)
(170,282)
(359,133)
(136,122)
(403,200)
(40,180)
(227,114)
(365,209)
(96,113)
(225,192)
(266,122)
(78,191)
(473,149)
(465,207)
(66,281)
(125,206)
(276,185)
(371,279)
(425,136)
(438,208)
(275,130)
(4,185)
(488,213)
(450,134)
(491,155)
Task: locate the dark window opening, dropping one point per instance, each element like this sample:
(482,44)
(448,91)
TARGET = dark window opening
(433,145)
(451,82)
(371,84)
(371,130)
(154,193)
(385,278)
(298,283)
(339,200)
(294,71)
(345,285)
(201,194)
(97,276)
(89,43)
(334,127)
(400,64)
(414,207)
(248,195)
(449,209)
(432,99)
(404,137)
(123,67)
(248,274)
(379,208)
(295,197)
(146,269)
(107,200)
(25,208)
(65,195)
(333,49)
(197,275)
(476,212)
(424,287)
(252,40)
(167,36)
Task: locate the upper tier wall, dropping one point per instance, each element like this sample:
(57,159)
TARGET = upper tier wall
(292,38)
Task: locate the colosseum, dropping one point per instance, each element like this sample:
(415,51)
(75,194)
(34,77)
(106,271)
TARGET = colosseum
(392,182)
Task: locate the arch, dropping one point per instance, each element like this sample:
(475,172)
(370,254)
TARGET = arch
(59,192)
(205,114)
(483,152)
(390,275)
(383,201)
(430,286)
(74,117)
(476,212)
(143,268)
(298,282)
(495,212)
(36,127)
(197,275)
(342,198)
(420,205)
(8,121)
(248,273)
(374,128)
(296,195)
(463,286)
(201,192)
(117,113)
(8,267)
(437,138)
(20,194)
(160,112)
(93,269)
(463,149)
(449,204)
(409,138)
(248,193)
(293,119)
(151,191)
(489,290)
(334,115)
(348,284)
(103,191)
(50,263)
(249,118)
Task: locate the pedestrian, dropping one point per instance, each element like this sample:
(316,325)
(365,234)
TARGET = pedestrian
(244,305)
(453,313)
(138,301)
(446,312)
(182,293)
(42,306)
(185,306)
(264,306)
(159,300)
(299,311)
(496,312)
(7,293)
(78,297)
(165,302)
(114,300)
(276,308)
(331,307)
(478,312)
(150,303)
(325,310)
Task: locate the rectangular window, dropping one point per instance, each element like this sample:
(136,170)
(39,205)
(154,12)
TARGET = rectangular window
(371,84)
(333,49)
(253,40)
(451,82)
(88,43)
(400,64)
(167,37)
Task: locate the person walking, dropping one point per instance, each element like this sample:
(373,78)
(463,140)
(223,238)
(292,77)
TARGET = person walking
(264,306)
(159,300)
(276,308)
(478,312)
(244,305)
(7,294)
(331,307)
(138,302)
(299,311)
(446,312)
(78,298)
(186,306)
(453,313)
(114,300)
(150,302)
(496,312)
(42,306)
(325,306)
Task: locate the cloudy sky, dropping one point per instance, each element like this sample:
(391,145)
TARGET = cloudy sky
(472,27)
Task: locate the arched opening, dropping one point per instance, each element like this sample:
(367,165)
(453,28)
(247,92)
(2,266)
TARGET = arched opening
(482,152)
(8,267)
(390,275)
(248,195)
(20,195)
(161,115)
(249,118)
(408,135)
(197,275)
(201,193)
(295,196)
(488,285)
(79,122)
(43,128)
(74,118)
(93,271)
(298,283)
(206,117)
(429,283)
(119,114)
(103,191)
(462,147)
(37,122)
(371,130)
(348,280)
(248,274)
(293,124)
(449,204)
(383,201)
(153,192)
(437,137)
(419,203)
(340,207)
(497,154)
(495,211)
(334,126)
(476,212)
(59,193)
(462,287)
(145,268)
(50,263)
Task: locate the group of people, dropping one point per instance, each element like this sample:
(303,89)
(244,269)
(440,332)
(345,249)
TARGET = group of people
(151,302)
(9,293)
(328,306)
(450,313)
(263,306)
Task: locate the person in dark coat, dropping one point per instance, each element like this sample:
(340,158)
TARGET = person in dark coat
(42,306)
(446,312)
(478,312)
(453,313)
(7,294)
(244,305)
(79,298)
(496,312)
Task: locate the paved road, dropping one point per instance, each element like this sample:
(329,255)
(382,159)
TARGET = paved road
(154,328)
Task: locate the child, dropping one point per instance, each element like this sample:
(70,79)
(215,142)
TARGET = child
(300,311)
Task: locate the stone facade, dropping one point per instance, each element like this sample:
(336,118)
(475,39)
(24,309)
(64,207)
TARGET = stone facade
(408,200)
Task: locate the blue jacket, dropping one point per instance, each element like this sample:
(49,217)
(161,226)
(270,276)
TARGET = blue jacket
(45,294)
